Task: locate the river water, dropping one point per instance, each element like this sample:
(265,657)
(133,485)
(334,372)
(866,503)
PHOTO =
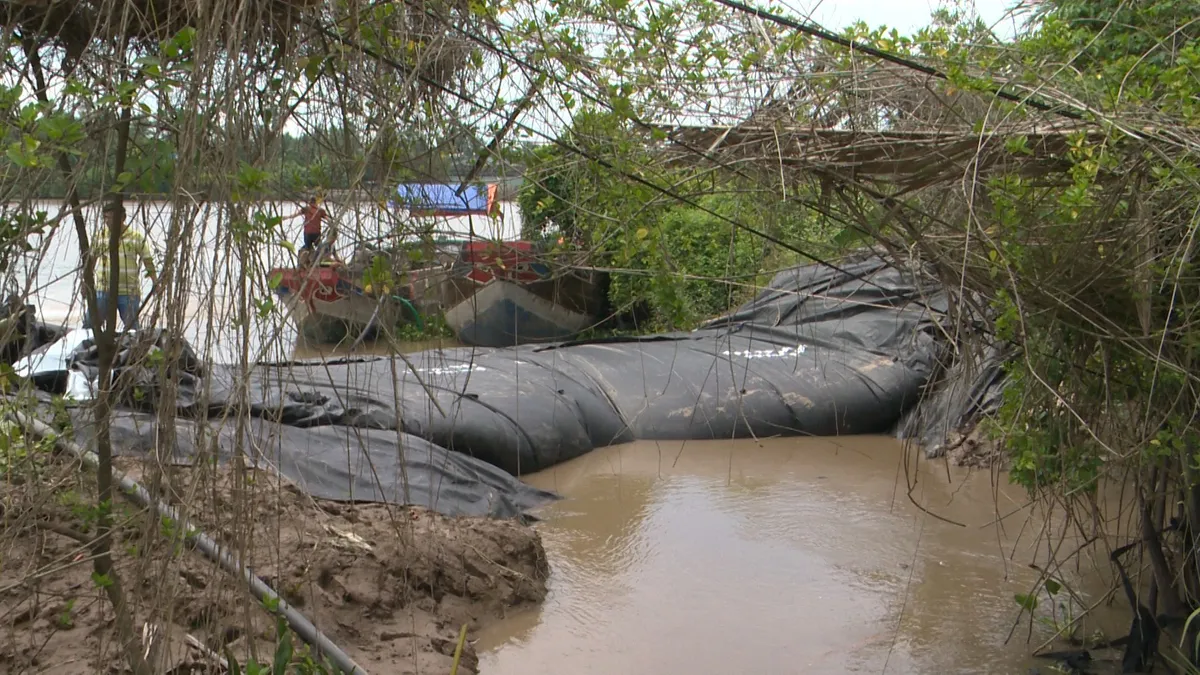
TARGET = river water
(219,281)
(778,556)
(774,556)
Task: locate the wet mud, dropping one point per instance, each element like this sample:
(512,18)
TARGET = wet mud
(390,586)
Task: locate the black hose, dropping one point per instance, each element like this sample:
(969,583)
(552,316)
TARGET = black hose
(210,548)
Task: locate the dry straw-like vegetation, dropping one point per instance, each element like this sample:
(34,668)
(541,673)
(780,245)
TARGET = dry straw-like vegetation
(100,97)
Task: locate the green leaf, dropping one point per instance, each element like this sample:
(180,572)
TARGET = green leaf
(264,307)
(1018,145)
(284,650)
(1053,587)
(234,668)
(642,233)
(1026,602)
(55,126)
(24,152)
(849,236)
(28,114)
(622,106)
(185,38)
(251,181)
(126,90)
(1186,631)
(312,69)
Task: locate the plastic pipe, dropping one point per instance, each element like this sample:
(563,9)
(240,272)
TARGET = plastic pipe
(209,547)
(375,316)
(413,310)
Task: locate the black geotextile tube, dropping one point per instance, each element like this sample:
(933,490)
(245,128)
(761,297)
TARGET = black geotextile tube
(132,490)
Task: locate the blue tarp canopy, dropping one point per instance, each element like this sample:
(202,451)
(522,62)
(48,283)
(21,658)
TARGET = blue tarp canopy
(436,199)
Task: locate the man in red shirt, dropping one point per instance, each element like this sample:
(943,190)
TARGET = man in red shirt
(313,216)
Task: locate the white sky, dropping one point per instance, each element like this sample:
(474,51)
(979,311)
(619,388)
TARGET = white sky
(906,16)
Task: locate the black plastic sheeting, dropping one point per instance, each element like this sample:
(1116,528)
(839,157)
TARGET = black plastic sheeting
(821,351)
(340,463)
(21,332)
(970,389)
(337,463)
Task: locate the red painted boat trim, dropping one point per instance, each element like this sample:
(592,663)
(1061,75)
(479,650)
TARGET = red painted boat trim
(510,260)
(322,283)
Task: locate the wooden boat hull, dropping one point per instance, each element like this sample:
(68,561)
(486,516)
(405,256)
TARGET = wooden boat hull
(502,294)
(329,309)
(504,313)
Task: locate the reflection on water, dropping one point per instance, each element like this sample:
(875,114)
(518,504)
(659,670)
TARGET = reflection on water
(780,556)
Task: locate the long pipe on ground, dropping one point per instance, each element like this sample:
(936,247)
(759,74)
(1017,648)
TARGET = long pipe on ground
(210,548)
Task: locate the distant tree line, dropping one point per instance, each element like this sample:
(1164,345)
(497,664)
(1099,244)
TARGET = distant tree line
(328,159)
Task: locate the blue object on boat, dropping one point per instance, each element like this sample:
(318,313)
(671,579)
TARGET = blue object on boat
(435,199)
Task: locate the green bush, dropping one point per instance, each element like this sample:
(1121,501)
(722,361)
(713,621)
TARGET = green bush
(676,261)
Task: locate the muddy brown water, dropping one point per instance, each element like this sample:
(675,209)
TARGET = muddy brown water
(778,556)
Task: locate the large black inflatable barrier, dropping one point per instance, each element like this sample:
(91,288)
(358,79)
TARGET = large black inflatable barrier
(821,351)
(340,463)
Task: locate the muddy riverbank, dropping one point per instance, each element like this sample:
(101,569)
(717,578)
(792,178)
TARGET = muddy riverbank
(391,586)
(784,555)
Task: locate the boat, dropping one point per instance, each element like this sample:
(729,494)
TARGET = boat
(329,306)
(502,294)
(499,293)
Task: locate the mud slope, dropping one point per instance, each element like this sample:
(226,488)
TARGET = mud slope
(390,585)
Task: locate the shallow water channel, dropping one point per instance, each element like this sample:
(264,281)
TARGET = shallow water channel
(776,556)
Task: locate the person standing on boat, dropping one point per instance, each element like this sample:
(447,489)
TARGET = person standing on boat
(327,250)
(314,216)
(134,254)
